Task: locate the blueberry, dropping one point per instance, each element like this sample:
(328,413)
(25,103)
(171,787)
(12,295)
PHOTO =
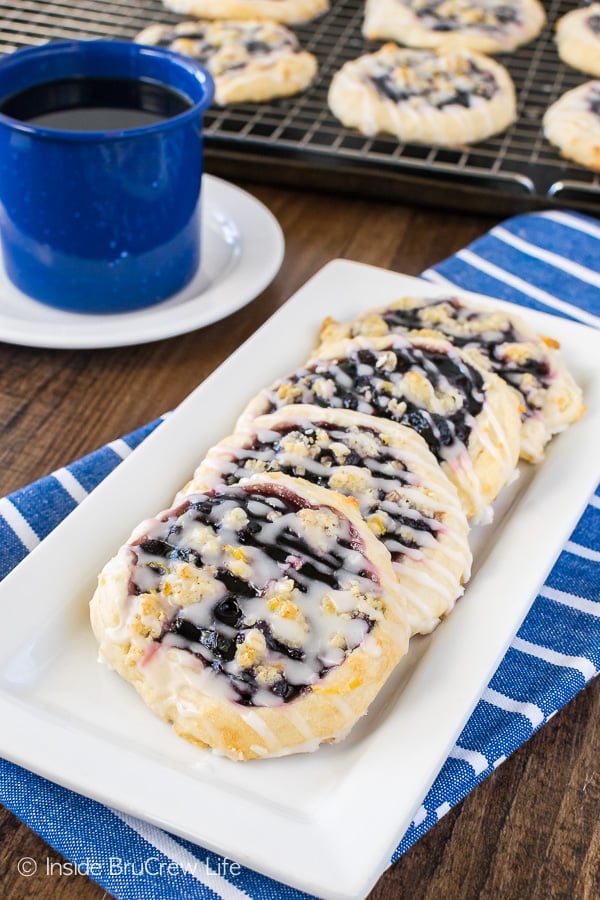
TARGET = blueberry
(185,629)
(156,547)
(228,612)
(353,459)
(218,644)
(236,586)
(285,690)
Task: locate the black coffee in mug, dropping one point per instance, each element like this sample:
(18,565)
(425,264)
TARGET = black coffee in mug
(95,104)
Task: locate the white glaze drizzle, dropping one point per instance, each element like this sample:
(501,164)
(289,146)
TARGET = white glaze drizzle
(227,47)
(296,436)
(322,622)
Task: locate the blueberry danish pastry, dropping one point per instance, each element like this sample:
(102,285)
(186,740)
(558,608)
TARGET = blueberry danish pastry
(531,363)
(424,96)
(402,493)
(249,61)
(290,11)
(259,619)
(489,26)
(578,39)
(468,416)
(573,125)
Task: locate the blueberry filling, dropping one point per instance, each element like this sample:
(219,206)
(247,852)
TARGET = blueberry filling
(287,691)
(387,88)
(214,630)
(157,548)
(382,466)
(594,99)
(483,85)
(235,585)
(506,14)
(275,644)
(255,47)
(205,50)
(438,20)
(460,98)
(358,383)
(228,611)
(399,320)
(594,24)
(218,644)
(511,371)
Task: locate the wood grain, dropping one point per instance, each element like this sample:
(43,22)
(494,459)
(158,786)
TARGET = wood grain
(530,830)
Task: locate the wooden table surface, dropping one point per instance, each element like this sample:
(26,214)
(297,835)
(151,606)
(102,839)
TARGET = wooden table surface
(532,829)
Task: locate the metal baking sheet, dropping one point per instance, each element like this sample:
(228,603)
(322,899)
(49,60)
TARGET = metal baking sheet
(298,141)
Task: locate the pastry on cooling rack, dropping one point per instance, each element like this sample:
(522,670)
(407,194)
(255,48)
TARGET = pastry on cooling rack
(572,124)
(249,61)
(290,11)
(550,398)
(424,96)
(468,416)
(401,491)
(489,26)
(259,619)
(578,39)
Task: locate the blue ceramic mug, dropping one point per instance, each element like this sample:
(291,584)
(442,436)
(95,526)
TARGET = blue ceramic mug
(107,220)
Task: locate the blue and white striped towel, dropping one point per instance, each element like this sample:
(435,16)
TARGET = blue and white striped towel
(548,261)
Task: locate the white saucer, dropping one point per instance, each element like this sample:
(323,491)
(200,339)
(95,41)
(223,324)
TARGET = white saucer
(242,250)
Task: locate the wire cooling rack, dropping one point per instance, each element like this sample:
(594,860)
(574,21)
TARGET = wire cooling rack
(297,140)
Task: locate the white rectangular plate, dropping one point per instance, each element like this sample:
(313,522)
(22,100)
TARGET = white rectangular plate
(327,822)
